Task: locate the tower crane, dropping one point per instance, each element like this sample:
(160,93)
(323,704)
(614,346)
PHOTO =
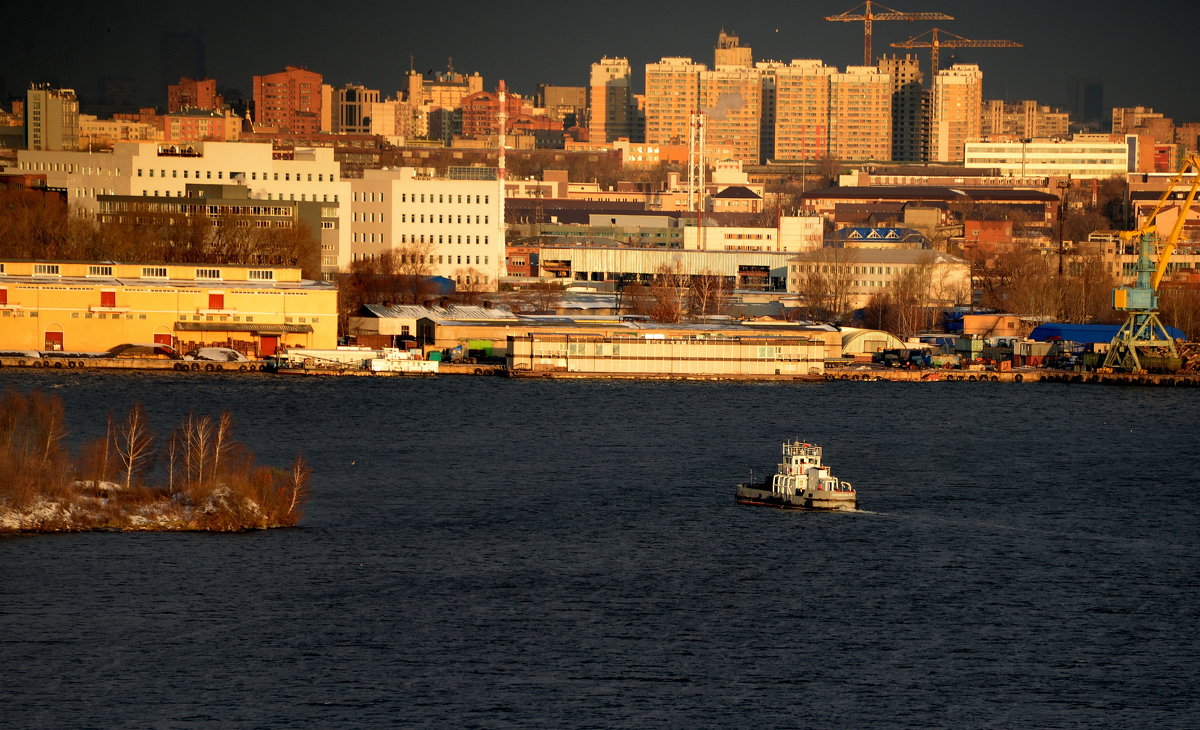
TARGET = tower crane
(935,42)
(1142,327)
(869,14)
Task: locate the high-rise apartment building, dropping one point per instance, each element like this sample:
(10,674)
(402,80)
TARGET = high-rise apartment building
(821,112)
(1024,120)
(51,118)
(1086,101)
(730,52)
(443,90)
(566,104)
(610,100)
(194,94)
(289,100)
(347,110)
(672,96)
(908,105)
(801,109)
(956,111)
(1127,118)
(860,114)
(731,98)
(1144,121)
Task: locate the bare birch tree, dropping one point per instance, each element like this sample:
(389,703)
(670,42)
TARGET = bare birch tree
(824,280)
(708,293)
(669,291)
(134,444)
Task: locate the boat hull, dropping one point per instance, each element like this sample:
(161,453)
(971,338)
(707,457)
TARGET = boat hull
(833,502)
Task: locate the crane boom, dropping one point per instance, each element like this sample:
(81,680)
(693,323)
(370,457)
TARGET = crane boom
(868,15)
(935,42)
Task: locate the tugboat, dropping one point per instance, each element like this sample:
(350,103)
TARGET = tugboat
(801,482)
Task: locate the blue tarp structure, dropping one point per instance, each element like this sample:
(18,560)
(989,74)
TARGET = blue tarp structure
(1088,334)
(444,285)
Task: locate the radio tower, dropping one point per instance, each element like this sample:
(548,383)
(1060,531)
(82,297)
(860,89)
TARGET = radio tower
(696,162)
(502,119)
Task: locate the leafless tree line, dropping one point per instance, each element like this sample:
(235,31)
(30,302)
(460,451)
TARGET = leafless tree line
(207,479)
(39,226)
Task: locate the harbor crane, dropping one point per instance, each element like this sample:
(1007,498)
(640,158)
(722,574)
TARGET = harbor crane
(935,43)
(869,12)
(1142,327)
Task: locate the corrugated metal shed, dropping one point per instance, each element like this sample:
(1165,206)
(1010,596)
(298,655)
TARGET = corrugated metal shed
(1085,333)
(455,312)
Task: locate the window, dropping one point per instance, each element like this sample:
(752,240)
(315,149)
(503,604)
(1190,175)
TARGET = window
(154,272)
(45,269)
(208,273)
(100,271)
(261,275)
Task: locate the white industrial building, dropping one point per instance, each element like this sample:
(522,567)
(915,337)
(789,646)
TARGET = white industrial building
(458,224)
(793,233)
(162,170)
(1090,156)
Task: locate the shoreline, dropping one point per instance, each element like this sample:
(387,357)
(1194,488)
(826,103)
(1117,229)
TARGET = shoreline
(203,367)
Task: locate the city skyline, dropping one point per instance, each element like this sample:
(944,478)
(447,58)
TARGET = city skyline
(525,45)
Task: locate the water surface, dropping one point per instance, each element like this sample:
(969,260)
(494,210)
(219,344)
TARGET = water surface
(490,553)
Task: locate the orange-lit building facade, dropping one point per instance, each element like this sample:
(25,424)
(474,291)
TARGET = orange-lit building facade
(956,111)
(731,98)
(289,100)
(201,125)
(193,94)
(860,114)
(802,110)
(610,100)
(672,96)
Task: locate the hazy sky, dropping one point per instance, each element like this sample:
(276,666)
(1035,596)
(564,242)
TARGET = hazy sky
(1143,51)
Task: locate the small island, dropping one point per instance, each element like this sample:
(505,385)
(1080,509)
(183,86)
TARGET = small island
(200,478)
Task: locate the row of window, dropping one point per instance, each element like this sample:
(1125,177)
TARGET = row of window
(82,193)
(421,198)
(148,272)
(208,175)
(432,260)
(826,268)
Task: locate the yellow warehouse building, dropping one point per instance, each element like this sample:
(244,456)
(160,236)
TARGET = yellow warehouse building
(81,306)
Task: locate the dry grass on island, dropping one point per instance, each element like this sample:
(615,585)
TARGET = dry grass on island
(199,478)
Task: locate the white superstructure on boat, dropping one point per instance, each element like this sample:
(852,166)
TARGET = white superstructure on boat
(801,482)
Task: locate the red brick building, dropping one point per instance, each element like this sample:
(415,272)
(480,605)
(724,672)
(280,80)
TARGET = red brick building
(197,125)
(193,94)
(289,101)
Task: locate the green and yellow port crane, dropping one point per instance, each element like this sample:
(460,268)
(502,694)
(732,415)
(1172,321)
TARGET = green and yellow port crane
(1142,327)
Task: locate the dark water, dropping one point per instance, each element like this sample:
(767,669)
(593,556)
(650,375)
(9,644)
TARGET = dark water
(491,553)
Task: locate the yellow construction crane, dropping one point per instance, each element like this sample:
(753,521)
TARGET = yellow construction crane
(1142,327)
(935,42)
(869,14)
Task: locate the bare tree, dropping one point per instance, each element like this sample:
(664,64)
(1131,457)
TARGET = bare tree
(469,285)
(637,299)
(708,293)
(297,486)
(824,281)
(669,292)
(134,444)
(1181,308)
